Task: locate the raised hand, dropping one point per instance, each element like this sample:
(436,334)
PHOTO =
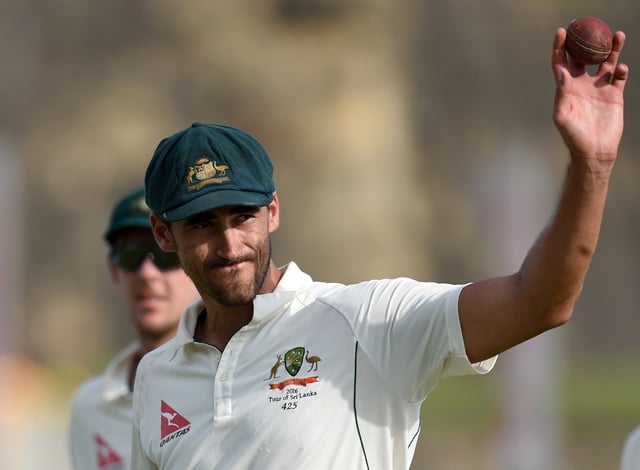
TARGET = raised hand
(588,109)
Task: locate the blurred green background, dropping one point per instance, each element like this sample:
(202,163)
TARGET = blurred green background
(409,138)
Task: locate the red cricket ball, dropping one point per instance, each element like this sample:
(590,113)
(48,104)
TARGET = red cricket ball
(589,40)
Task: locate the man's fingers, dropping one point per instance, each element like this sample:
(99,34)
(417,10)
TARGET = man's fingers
(616,48)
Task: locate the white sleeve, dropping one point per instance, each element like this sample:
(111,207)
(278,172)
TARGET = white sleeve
(410,330)
(631,452)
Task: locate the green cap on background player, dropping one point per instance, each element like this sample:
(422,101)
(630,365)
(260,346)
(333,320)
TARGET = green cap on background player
(129,212)
(206,166)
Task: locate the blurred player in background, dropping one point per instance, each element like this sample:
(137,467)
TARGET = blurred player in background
(156,291)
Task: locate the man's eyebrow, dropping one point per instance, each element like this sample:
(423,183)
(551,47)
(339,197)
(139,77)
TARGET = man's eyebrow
(198,218)
(243,209)
(212,214)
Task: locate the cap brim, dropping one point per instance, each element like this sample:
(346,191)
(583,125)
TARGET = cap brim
(215,199)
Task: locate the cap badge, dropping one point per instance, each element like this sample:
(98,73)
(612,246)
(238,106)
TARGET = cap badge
(205,172)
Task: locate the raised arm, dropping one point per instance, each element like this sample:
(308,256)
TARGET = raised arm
(497,314)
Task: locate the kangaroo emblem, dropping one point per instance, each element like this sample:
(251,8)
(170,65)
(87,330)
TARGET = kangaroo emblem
(169,417)
(274,369)
(192,172)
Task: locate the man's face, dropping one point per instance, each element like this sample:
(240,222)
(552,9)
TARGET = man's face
(227,251)
(157,293)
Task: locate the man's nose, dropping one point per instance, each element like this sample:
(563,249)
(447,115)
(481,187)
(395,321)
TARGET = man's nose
(227,244)
(147,267)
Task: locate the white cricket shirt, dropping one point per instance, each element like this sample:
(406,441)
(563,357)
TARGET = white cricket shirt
(101,416)
(325,376)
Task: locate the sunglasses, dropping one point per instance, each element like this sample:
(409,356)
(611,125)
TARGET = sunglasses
(131,257)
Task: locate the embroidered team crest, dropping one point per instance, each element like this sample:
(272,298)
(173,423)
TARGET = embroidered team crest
(107,457)
(205,172)
(293,360)
(171,421)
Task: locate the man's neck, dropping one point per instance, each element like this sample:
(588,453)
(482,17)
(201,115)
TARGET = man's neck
(218,323)
(216,326)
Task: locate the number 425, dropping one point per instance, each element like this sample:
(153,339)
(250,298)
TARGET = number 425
(289,405)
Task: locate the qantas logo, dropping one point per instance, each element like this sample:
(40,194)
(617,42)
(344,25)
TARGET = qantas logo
(172,424)
(108,459)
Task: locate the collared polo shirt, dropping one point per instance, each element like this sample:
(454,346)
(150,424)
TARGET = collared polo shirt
(323,376)
(101,416)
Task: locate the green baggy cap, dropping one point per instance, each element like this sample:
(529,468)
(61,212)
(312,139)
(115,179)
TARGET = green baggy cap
(206,166)
(130,211)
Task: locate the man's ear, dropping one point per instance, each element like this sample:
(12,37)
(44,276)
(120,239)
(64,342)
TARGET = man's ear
(274,214)
(161,232)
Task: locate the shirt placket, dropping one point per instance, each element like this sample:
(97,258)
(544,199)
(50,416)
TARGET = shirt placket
(223,385)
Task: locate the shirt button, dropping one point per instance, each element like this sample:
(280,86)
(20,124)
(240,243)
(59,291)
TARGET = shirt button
(223,377)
